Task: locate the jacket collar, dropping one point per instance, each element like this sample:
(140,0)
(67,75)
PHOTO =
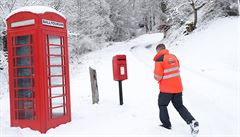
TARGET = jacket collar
(160,53)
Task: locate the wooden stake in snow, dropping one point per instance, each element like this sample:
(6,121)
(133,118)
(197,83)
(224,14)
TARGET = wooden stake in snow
(93,78)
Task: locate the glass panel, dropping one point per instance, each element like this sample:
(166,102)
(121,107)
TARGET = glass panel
(23,40)
(24,114)
(56,81)
(54,40)
(25,61)
(23,72)
(54,60)
(24,83)
(23,50)
(55,50)
(24,104)
(57,101)
(57,112)
(56,70)
(57,91)
(24,93)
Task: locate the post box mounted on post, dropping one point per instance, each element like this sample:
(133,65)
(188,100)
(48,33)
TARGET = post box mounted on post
(119,63)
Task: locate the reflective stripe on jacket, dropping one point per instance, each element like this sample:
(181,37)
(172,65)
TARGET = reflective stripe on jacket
(167,72)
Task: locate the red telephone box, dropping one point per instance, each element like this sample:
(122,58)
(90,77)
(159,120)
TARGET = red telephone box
(38,69)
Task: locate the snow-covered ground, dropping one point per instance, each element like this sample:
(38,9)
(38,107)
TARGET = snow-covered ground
(210,70)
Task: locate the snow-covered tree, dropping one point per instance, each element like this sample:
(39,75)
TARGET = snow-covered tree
(117,20)
(122,17)
(91,18)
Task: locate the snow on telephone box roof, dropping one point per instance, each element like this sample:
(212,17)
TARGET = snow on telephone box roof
(36,10)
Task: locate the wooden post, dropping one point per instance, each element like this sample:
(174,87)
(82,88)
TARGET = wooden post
(94,86)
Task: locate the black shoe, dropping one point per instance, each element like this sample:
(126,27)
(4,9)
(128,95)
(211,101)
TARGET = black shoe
(167,127)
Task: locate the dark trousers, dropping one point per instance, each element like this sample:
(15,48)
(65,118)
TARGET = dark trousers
(163,101)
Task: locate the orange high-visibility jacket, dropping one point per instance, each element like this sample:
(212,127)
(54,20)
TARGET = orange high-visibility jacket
(167,72)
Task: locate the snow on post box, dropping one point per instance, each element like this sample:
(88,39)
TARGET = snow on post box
(119,63)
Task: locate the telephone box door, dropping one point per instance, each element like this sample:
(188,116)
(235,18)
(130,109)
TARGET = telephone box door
(22,81)
(57,78)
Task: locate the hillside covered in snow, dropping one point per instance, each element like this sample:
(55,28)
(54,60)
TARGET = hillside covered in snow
(210,70)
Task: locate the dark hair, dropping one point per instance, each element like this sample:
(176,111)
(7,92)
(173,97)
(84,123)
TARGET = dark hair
(160,47)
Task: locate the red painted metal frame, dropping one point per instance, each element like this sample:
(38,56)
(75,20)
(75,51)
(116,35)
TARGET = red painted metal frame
(43,120)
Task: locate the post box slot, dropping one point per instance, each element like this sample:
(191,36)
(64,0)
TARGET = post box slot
(121,59)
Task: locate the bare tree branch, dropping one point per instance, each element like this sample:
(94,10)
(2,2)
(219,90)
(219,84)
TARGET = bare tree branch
(201,6)
(12,5)
(26,3)
(2,7)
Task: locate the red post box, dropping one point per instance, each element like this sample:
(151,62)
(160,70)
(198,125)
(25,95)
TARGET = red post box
(119,63)
(38,68)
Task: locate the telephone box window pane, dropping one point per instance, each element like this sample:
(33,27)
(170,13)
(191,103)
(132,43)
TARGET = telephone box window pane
(56,70)
(57,101)
(24,61)
(24,114)
(24,93)
(57,112)
(55,60)
(23,40)
(54,40)
(56,91)
(55,50)
(55,81)
(24,82)
(23,72)
(23,50)
(24,104)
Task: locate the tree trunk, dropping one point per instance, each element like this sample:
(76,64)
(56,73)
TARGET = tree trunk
(195,19)
(146,24)
(195,10)
(194,14)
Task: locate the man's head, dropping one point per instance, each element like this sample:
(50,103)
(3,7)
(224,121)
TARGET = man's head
(160,47)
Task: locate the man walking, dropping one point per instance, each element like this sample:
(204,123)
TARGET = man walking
(167,74)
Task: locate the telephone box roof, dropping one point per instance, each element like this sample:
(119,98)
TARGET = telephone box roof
(36,10)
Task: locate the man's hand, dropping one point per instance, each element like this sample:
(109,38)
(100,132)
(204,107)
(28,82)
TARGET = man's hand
(157,77)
